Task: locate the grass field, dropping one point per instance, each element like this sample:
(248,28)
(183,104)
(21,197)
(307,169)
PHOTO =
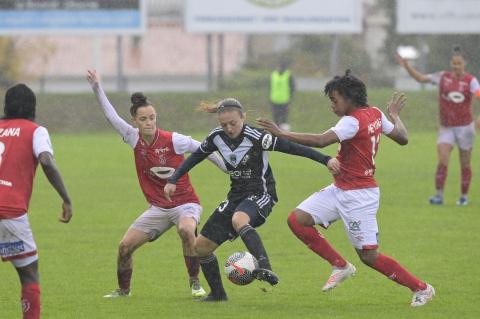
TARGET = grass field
(77,261)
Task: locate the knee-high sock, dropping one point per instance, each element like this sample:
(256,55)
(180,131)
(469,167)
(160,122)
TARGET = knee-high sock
(124,277)
(193,266)
(211,271)
(466,178)
(254,244)
(31,301)
(440,176)
(316,242)
(393,270)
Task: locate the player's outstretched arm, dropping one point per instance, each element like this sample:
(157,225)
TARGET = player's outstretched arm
(50,169)
(399,133)
(314,140)
(420,77)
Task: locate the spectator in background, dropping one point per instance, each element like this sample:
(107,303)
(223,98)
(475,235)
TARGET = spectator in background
(24,144)
(456,90)
(282,88)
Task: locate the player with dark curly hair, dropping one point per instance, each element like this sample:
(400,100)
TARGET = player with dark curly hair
(354,195)
(456,90)
(158,154)
(252,194)
(23,145)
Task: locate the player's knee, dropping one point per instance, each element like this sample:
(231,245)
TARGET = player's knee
(297,218)
(368,257)
(186,233)
(124,249)
(292,220)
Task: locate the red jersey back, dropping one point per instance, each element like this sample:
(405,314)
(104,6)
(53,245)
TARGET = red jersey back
(455,99)
(157,162)
(17,166)
(357,155)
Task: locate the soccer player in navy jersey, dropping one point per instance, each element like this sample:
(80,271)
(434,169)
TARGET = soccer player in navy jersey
(456,90)
(24,144)
(157,153)
(354,196)
(252,195)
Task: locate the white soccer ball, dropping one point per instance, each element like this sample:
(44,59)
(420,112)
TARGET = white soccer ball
(239,268)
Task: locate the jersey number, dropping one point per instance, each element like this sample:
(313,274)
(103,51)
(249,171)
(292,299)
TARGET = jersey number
(2,150)
(375,139)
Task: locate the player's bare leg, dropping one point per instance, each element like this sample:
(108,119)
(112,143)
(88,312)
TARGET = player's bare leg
(422,292)
(186,230)
(29,279)
(204,248)
(443,151)
(131,241)
(466,175)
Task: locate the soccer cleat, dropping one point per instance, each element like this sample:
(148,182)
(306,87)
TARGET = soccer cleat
(267,275)
(213,298)
(462,201)
(197,290)
(436,200)
(338,275)
(423,296)
(118,293)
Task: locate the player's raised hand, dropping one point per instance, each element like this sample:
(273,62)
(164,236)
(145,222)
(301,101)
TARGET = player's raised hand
(401,61)
(66,213)
(269,126)
(168,190)
(92,77)
(333,166)
(396,104)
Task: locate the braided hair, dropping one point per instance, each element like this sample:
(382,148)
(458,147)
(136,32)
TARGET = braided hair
(20,102)
(348,86)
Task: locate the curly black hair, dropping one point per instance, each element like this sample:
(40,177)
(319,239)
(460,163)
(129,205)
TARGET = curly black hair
(348,86)
(20,102)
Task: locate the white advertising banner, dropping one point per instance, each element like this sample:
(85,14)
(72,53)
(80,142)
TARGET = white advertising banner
(273,16)
(438,16)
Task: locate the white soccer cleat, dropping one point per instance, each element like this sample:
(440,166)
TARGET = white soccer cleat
(338,275)
(423,296)
(197,290)
(119,293)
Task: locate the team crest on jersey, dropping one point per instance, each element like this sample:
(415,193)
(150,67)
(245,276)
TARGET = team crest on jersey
(162,160)
(267,141)
(233,158)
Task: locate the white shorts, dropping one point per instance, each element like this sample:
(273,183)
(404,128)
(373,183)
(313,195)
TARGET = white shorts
(463,136)
(156,220)
(357,209)
(16,241)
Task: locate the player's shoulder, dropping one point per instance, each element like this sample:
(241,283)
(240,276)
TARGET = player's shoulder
(254,133)
(216,131)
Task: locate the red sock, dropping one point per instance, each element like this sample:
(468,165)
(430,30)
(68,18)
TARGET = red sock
(466,178)
(124,277)
(31,301)
(315,241)
(193,266)
(393,270)
(441,176)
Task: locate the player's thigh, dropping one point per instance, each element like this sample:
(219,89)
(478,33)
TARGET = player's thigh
(153,222)
(186,216)
(465,136)
(16,241)
(358,210)
(218,227)
(322,206)
(257,207)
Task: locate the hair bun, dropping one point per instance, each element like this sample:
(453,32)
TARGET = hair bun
(138,98)
(457,49)
(348,72)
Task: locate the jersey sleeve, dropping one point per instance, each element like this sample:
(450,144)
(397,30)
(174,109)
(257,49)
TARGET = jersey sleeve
(184,144)
(346,128)
(475,87)
(435,77)
(387,126)
(126,131)
(41,141)
(208,146)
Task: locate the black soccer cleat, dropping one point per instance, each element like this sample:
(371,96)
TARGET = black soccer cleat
(213,298)
(267,275)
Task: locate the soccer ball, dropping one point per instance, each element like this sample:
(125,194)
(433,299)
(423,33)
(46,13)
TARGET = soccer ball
(239,268)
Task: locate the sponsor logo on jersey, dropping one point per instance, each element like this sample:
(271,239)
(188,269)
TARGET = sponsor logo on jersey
(244,174)
(6,183)
(267,141)
(161,150)
(354,225)
(10,132)
(456,97)
(162,172)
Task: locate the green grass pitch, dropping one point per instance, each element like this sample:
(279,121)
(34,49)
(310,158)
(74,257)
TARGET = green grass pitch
(77,261)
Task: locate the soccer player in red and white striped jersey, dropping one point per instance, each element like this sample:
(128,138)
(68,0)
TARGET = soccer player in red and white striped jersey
(354,195)
(24,144)
(158,154)
(456,89)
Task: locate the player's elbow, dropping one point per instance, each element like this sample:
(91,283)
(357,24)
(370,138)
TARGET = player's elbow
(402,140)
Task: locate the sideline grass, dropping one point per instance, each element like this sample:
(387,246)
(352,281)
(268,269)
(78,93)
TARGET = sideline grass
(77,261)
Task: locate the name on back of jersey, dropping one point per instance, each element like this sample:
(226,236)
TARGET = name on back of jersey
(372,127)
(10,132)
